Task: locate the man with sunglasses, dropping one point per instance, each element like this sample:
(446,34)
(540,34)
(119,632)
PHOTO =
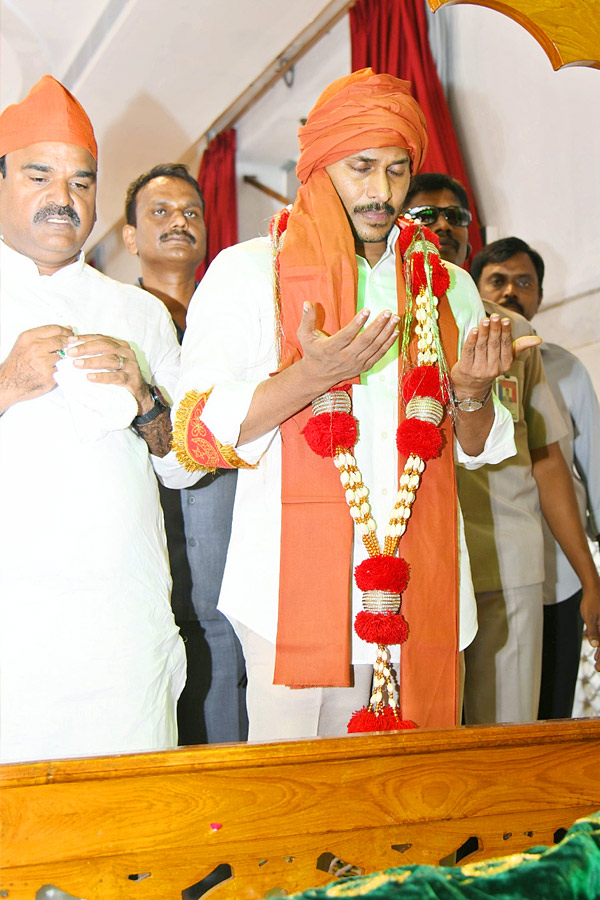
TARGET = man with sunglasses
(501,503)
(441,203)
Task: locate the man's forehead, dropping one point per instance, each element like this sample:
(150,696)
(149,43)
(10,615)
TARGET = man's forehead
(165,187)
(375,154)
(518,264)
(51,154)
(437,197)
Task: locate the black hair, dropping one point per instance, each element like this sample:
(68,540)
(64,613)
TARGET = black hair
(3,166)
(164,170)
(500,251)
(436,181)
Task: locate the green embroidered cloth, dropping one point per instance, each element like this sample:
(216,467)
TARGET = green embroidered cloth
(569,870)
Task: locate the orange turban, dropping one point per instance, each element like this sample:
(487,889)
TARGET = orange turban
(48,113)
(359,111)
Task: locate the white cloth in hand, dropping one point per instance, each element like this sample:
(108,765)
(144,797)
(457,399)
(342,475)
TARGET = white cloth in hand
(96,408)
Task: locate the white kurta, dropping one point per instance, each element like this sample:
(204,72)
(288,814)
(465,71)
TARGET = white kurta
(91,660)
(229,344)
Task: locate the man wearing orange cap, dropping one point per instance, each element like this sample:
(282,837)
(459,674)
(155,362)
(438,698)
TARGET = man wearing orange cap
(297,305)
(92,662)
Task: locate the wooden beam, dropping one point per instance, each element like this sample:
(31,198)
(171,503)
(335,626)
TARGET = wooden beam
(253,180)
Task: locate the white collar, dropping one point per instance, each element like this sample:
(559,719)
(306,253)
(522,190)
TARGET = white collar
(24,267)
(390,250)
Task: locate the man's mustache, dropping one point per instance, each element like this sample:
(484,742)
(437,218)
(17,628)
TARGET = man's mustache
(448,239)
(53,209)
(376,207)
(513,303)
(179,233)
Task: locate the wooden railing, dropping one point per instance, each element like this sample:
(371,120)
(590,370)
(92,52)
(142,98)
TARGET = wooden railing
(252,821)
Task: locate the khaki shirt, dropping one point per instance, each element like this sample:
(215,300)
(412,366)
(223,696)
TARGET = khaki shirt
(500,503)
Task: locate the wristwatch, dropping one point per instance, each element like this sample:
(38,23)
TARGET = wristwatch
(470,404)
(159,405)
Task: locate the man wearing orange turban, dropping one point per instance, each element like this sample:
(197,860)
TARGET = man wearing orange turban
(92,662)
(275,324)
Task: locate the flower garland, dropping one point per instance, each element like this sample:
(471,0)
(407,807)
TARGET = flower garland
(277,227)
(333,432)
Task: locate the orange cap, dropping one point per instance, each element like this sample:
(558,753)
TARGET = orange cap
(48,113)
(358,111)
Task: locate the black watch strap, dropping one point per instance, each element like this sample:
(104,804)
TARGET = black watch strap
(159,405)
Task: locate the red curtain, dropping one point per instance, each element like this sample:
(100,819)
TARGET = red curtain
(218,185)
(391,36)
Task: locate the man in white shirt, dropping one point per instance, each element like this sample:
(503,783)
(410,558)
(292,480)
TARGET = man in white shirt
(338,253)
(91,659)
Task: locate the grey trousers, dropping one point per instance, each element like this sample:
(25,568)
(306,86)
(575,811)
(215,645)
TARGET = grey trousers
(504,662)
(215,660)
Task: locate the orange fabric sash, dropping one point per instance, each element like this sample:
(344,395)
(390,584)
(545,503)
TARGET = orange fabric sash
(430,603)
(318,264)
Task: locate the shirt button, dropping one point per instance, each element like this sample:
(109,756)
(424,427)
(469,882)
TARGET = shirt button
(192,542)
(382,378)
(384,491)
(191,499)
(384,435)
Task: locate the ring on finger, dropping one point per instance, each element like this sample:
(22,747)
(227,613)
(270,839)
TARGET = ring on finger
(60,353)
(120,366)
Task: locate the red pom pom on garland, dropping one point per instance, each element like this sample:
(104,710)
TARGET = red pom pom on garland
(382,573)
(423,381)
(440,280)
(279,223)
(419,278)
(328,431)
(366,720)
(430,236)
(420,438)
(381,628)
(407,233)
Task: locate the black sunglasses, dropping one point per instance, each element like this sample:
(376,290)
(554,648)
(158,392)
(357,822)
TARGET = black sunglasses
(454,215)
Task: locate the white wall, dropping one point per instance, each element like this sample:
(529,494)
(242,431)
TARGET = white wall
(111,257)
(255,208)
